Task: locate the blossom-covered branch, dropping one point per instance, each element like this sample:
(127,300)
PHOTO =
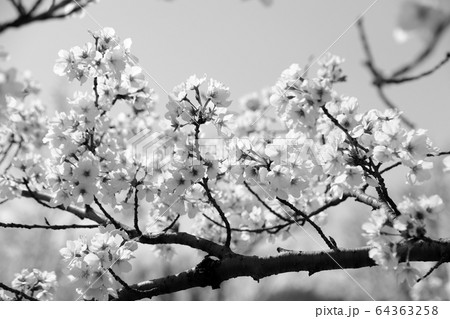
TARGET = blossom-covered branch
(155,172)
(19,294)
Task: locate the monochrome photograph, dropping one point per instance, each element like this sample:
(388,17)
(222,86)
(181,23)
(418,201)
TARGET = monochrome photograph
(226,150)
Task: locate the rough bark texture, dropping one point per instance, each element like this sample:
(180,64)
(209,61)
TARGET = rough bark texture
(212,272)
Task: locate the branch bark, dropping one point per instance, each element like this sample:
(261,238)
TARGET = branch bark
(215,272)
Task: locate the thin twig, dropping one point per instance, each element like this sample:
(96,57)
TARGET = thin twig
(350,138)
(436,266)
(271,230)
(400,163)
(418,77)
(438,154)
(390,167)
(425,53)
(79,212)
(378,78)
(111,219)
(171,224)
(264,203)
(313,224)
(35,6)
(122,282)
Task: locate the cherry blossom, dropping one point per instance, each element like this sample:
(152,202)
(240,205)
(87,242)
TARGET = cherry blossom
(276,172)
(41,284)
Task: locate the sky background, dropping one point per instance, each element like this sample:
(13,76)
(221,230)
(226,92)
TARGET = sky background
(245,45)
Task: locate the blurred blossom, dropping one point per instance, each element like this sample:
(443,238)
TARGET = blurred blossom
(446,162)
(407,273)
(36,283)
(4,56)
(422,18)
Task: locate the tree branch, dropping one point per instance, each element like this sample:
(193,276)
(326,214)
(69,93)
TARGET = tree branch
(153,239)
(169,227)
(313,224)
(54,12)
(18,293)
(79,212)
(378,78)
(419,76)
(422,56)
(185,239)
(219,210)
(110,218)
(260,267)
(265,204)
(136,212)
(51,227)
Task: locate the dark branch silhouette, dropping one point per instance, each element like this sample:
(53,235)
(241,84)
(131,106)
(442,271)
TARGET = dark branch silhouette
(216,272)
(38,12)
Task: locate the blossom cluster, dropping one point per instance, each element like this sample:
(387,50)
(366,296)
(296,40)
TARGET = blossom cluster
(112,66)
(210,106)
(22,121)
(330,68)
(318,149)
(35,283)
(88,262)
(11,86)
(22,125)
(88,146)
(346,142)
(385,232)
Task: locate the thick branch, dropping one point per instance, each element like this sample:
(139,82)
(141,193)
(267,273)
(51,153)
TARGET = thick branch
(260,267)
